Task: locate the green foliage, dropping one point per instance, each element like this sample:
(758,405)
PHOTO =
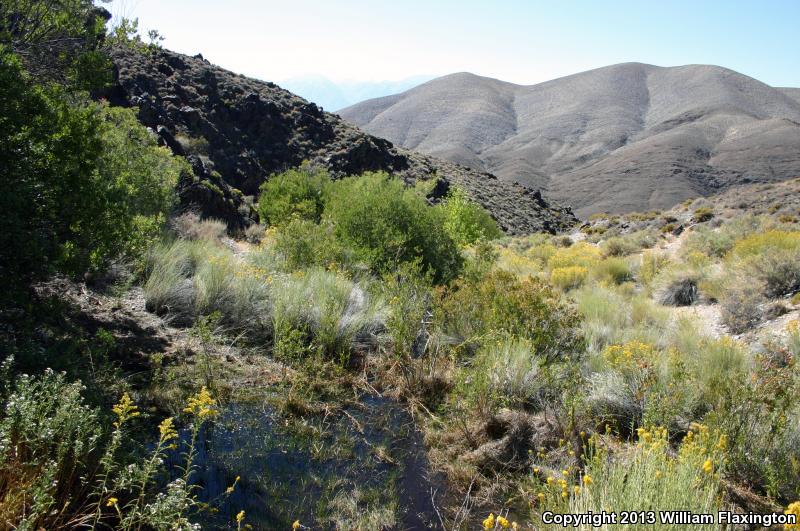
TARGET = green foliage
(501,304)
(388,224)
(57,41)
(304,244)
(299,193)
(467,222)
(90,183)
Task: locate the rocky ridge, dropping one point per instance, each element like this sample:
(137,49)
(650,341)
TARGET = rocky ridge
(236,132)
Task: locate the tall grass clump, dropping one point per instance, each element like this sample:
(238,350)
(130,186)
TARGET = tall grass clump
(327,310)
(773,257)
(650,476)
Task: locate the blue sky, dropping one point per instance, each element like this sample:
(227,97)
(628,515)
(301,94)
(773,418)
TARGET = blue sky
(520,41)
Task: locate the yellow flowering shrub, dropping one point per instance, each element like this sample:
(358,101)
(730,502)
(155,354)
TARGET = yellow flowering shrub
(580,254)
(569,277)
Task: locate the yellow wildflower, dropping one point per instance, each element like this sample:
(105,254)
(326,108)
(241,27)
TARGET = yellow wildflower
(240,517)
(793,509)
(503,522)
(489,522)
(296,525)
(514,525)
(167,430)
(125,410)
(536,470)
(112,502)
(550,480)
(576,489)
(659,474)
(708,466)
(587,480)
(201,405)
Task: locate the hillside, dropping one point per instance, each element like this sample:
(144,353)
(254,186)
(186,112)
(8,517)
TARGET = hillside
(622,138)
(237,131)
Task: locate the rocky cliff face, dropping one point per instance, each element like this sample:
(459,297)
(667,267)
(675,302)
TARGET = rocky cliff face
(236,132)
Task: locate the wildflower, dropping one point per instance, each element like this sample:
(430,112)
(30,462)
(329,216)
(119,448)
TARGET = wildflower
(708,466)
(514,525)
(112,502)
(565,472)
(240,517)
(489,522)
(125,410)
(587,480)
(576,489)
(201,405)
(659,474)
(296,525)
(167,430)
(503,522)
(793,509)
(536,470)
(564,494)
(540,496)
(550,480)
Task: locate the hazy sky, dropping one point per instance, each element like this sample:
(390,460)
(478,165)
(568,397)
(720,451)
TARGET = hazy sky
(520,41)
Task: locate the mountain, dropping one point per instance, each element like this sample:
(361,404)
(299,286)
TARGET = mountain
(621,138)
(332,95)
(236,132)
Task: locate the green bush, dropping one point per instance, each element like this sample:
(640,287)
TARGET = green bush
(304,244)
(388,224)
(89,182)
(467,222)
(501,304)
(299,193)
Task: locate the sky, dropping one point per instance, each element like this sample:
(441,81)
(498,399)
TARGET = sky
(520,41)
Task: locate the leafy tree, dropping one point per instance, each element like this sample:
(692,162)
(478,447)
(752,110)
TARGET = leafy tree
(466,221)
(389,224)
(298,193)
(57,40)
(84,183)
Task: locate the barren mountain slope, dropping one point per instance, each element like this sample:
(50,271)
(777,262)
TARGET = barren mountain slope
(620,138)
(237,131)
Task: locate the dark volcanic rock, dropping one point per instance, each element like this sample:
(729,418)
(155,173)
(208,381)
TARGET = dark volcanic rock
(236,132)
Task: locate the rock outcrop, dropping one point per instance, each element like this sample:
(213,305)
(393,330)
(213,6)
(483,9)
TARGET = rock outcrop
(236,132)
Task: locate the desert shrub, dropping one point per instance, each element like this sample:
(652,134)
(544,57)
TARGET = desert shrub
(50,438)
(742,304)
(629,243)
(298,193)
(614,270)
(254,233)
(650,475)
(466,221)
(408,295)
(581,254)
(507,372)
(189,226)
(60,466)
(773,257)
(614,400)
(569,277)
(303,244)
(90,183)
(702,214)
(522,264)
(653,263)
(612,317)
(388,224)
(501,304)
(680,290)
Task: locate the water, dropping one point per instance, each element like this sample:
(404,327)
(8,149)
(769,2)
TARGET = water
(364,460)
